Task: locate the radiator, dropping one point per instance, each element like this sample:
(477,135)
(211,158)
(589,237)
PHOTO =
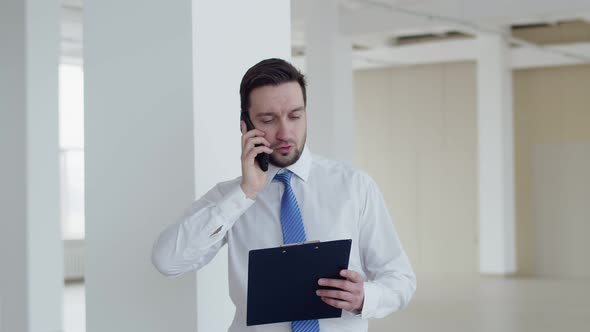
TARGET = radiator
(74,260)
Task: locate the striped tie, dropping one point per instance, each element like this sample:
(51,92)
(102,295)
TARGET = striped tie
(293,232)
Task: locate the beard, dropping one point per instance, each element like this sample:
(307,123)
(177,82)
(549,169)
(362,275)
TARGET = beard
(284,161)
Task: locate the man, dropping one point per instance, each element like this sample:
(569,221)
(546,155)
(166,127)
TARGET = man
(330,201)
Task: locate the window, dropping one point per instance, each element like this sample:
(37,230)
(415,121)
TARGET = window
(71,142)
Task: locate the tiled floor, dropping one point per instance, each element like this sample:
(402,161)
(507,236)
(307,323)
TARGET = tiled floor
(494,305)
(481,305)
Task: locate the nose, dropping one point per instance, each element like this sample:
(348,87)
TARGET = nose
(283,130)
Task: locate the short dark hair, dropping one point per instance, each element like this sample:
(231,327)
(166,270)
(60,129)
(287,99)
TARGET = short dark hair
(269,72)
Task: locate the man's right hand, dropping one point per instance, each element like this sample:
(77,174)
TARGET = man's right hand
(253,178)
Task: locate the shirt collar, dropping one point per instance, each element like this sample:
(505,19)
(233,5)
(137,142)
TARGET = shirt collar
(301,168)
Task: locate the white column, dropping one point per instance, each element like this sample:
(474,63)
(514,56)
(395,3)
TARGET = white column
(31,248)
(229,37)
(328,66)
(496,157)
(139,161)
(140,152)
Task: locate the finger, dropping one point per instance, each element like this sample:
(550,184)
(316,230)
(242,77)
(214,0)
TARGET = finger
(254,152)
(254,143)
(337,283)
(256,140)
(336,294)
(337,303)
(352,276)
(250,134)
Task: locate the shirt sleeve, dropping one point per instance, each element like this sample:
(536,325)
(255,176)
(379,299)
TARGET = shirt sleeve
(192,242)
(391,282)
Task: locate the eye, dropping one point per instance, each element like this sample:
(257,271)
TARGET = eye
(266,120)
(295,115)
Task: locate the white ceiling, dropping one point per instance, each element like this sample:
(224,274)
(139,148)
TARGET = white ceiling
(373,23)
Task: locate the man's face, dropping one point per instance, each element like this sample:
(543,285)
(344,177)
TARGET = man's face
(279,111)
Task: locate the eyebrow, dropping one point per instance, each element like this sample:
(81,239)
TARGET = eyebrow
(274,113)
(265,114)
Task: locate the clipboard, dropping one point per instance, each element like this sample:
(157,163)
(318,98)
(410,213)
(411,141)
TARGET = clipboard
(282,281)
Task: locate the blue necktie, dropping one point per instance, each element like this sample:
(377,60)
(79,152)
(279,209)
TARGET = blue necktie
(293,232)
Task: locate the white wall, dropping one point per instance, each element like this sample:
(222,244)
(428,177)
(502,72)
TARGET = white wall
(139,161)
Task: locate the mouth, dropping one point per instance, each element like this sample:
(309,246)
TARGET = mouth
(285,149)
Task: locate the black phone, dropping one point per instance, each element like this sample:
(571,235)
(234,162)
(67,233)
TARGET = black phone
(261,158)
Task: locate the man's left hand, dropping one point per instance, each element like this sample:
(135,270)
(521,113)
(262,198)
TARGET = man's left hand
(350,294)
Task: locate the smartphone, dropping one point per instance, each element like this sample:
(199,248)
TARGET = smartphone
(262,158)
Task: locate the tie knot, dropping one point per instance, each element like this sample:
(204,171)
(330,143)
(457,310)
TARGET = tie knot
(284,177)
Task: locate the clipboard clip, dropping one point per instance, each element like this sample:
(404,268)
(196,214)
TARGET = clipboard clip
(299,243)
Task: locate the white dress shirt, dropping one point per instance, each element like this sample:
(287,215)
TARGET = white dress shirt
(336,202)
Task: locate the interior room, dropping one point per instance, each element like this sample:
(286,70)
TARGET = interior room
(471,116)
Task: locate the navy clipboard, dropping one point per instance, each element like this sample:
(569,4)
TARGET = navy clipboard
(282,281)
